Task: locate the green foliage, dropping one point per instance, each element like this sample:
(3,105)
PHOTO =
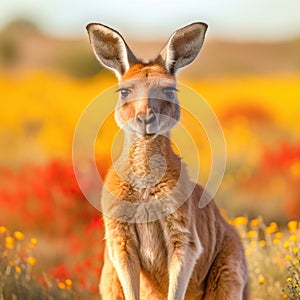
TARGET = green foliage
(78,62)
(8,51)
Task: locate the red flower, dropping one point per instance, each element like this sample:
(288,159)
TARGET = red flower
(60,272)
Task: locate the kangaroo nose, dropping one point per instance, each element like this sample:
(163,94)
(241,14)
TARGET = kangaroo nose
(146,118)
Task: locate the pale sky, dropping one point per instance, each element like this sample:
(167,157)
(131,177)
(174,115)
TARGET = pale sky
(151,19)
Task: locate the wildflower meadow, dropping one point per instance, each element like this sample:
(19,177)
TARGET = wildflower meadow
(51,237)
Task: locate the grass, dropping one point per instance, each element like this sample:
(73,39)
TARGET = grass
(273,260)
(18,277)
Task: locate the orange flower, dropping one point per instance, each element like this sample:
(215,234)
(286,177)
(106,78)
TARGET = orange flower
(19,235)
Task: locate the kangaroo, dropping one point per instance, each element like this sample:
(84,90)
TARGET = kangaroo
(170,249)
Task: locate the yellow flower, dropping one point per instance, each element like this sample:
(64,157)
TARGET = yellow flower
(261,280)
(286,244)
(31,260)
(11,263)
(61,285)
(285,297)
(278,235)
(252,234)
(293,238)
(18,269)
(262,243)
(254,222)
(240,221)
(276,241)
(68,282)
(33,241)
(269,230)
(9,246)
(32,244)
(3,230)
(9,242)
(295,250)
(253,244)
(248,252)
(289,279)
(273,227)
(288,257)
(19,235)
(9,239)
(274,224)
(292,226)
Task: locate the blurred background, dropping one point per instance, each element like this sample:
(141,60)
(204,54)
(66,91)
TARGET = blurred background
(248,71)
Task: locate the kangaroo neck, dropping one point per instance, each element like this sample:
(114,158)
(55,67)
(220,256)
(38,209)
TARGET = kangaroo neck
(149,157)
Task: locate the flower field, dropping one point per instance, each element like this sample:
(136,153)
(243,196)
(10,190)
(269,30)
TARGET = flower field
(51,238)
(272,256)
(46,202)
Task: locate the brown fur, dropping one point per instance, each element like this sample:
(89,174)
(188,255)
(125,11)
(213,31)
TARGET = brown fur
(146,70)
(153,248)
(190,253)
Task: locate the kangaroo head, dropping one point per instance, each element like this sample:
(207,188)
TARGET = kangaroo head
(147,101)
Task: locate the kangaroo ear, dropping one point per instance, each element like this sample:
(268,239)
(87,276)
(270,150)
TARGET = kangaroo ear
(183,46)
(110,48)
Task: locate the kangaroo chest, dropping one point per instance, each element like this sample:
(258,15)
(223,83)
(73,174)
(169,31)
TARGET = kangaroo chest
(152,247)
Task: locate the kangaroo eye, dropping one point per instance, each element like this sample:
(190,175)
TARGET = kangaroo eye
(170,92)
(124,93)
